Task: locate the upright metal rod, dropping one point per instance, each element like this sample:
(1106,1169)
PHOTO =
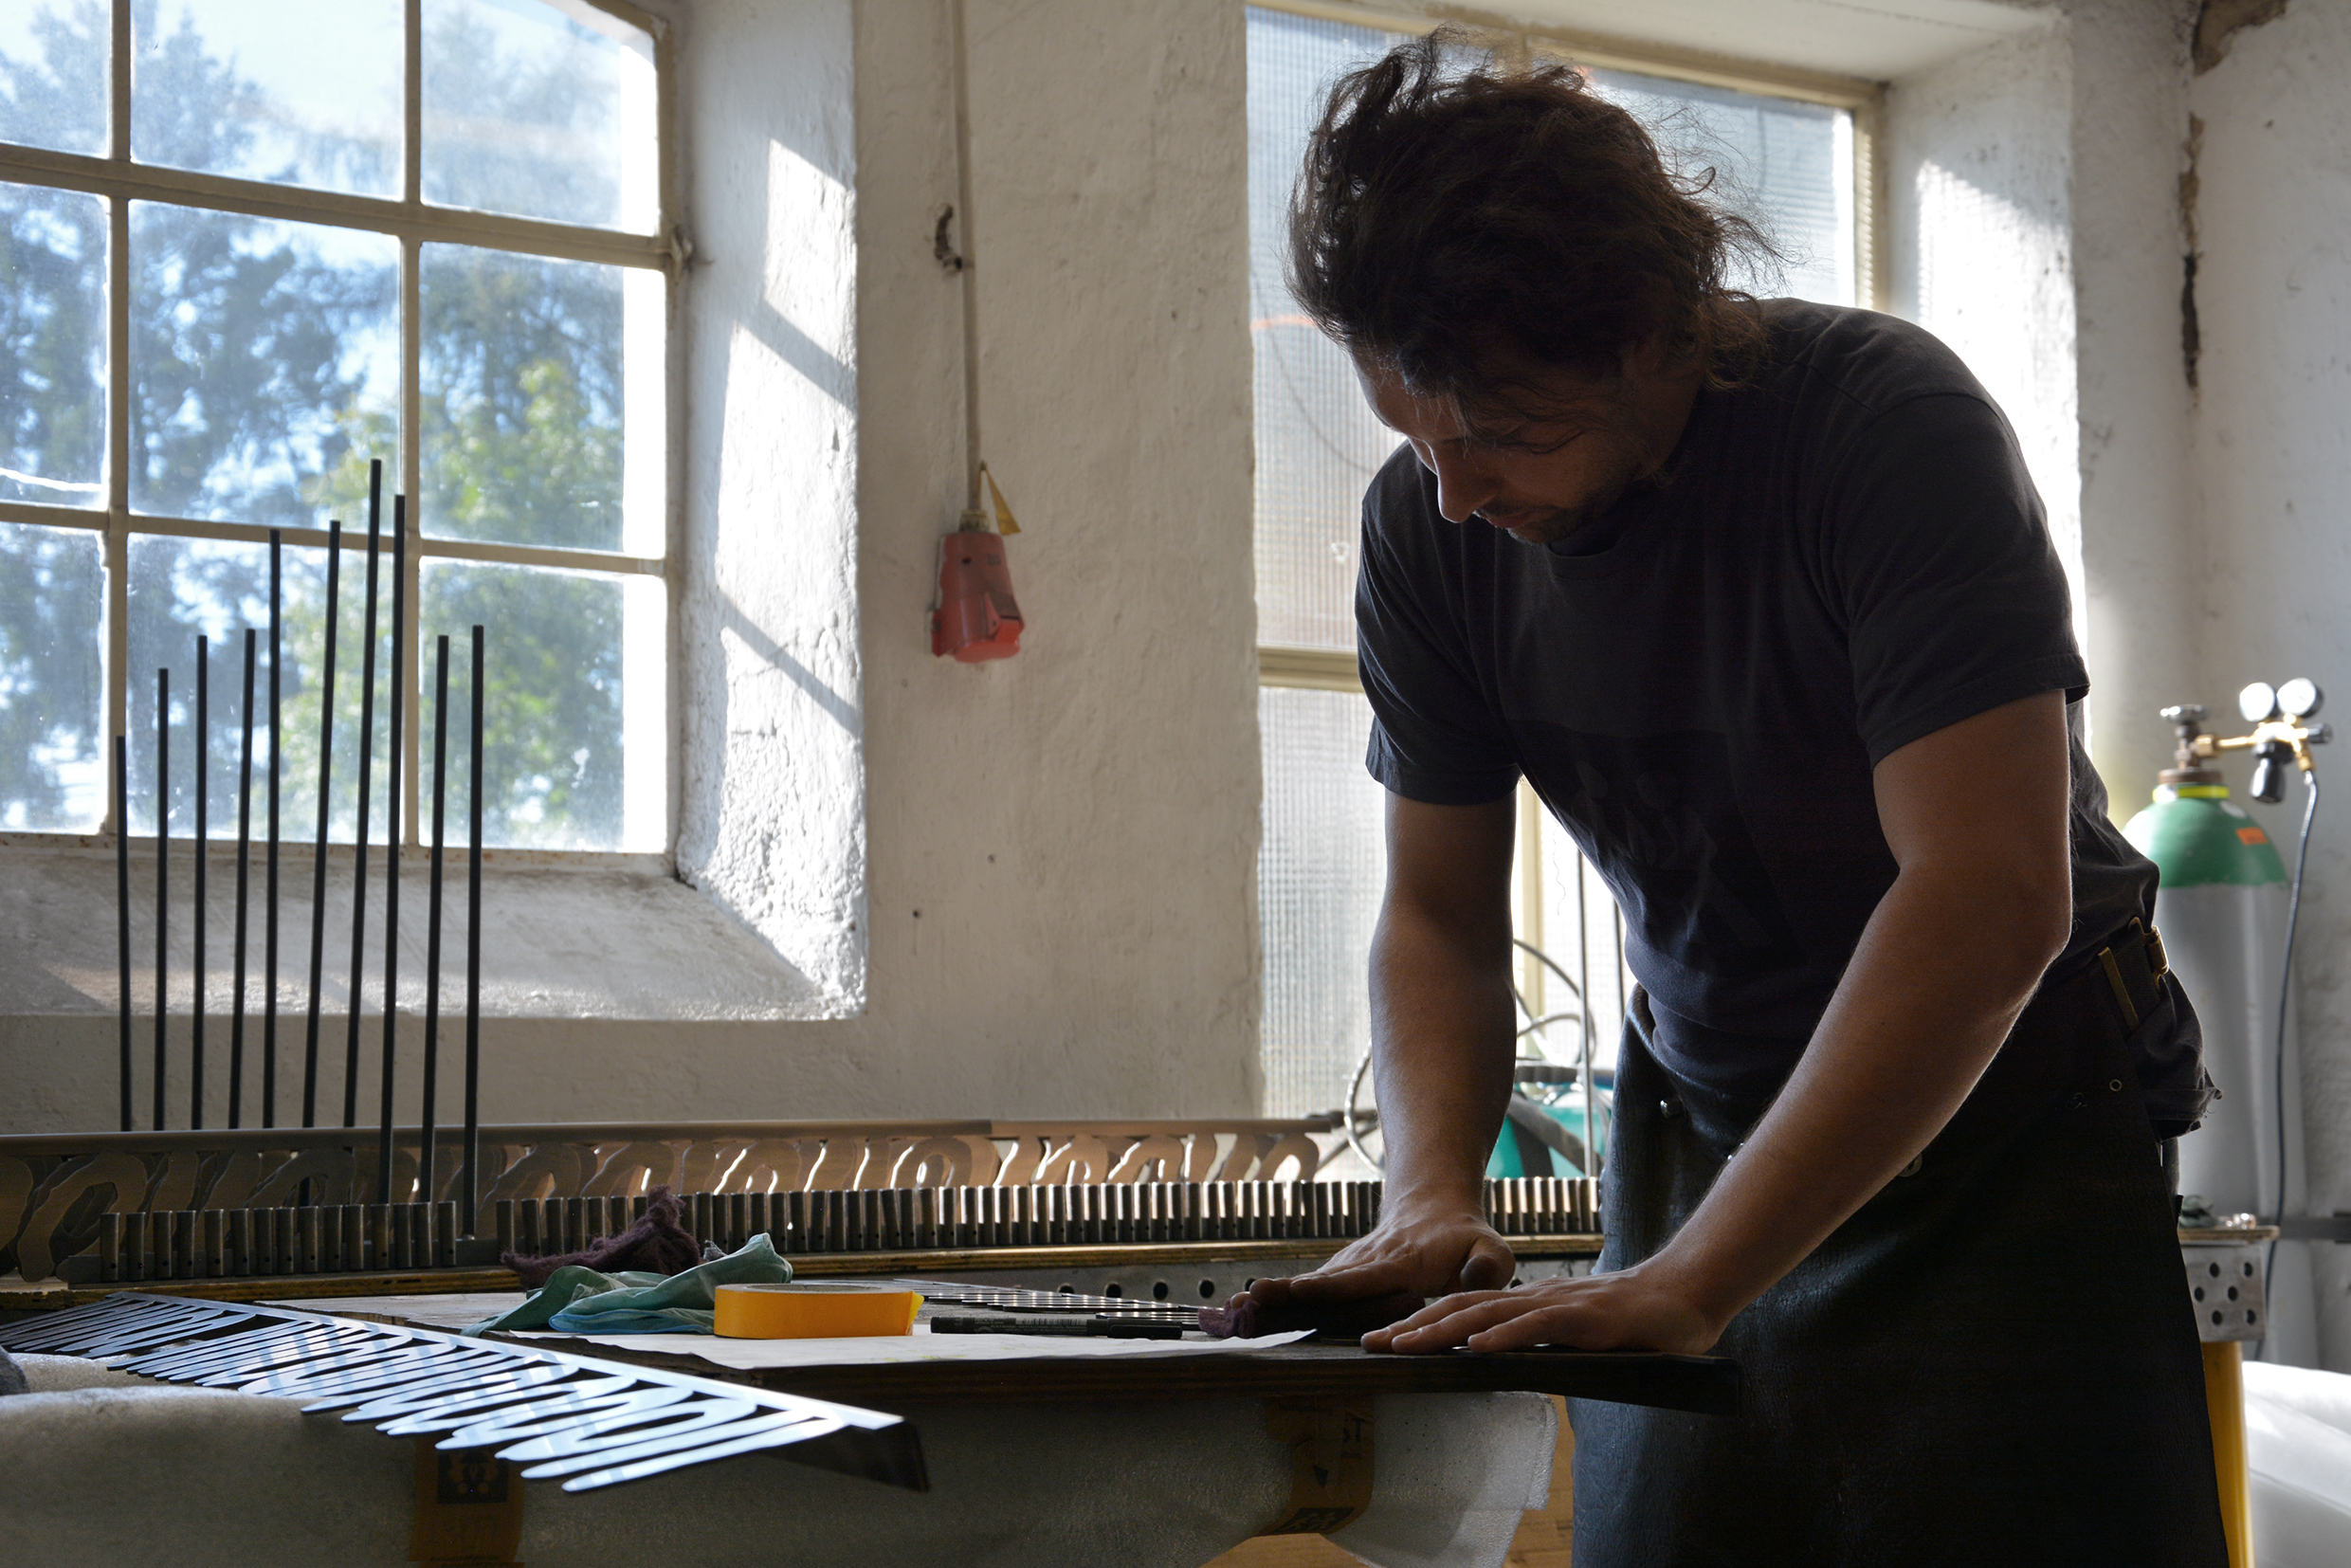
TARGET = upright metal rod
(426,1191)
(359,836)
(473,957)
(204,837)
(244,868)
(163,870)
(269,894)
(392,776)
(326,762)
(122,903)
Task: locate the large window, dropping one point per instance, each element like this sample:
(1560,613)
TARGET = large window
(1788,151)
(245,247)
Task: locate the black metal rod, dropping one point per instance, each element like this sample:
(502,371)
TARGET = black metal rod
(395,776)
(359,837)
(122,903)
(269,895)
(432,914)
(473,957)
(163,869)
(204,792)
(318,877)
(245,869)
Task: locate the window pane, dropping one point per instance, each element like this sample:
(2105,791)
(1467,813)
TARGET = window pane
(264,362)
(179,589)
(54,770)
(298,92)
(570,697)
(536,419)
(1788,164)
(539,112)
(1318,445)
(53,346)
(53,74)
(1318,879)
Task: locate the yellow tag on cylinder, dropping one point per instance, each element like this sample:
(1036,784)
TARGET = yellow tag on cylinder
(813,1311)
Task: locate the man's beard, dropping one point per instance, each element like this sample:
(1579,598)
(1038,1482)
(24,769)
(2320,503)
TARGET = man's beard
(1563,523)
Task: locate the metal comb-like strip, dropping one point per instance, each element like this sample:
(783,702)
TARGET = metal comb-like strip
(588,1423)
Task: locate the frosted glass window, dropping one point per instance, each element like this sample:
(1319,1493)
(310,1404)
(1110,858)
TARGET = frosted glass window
(1786,164)
(295,92)
(524,399)
(180,589)
(271,362)
(264,358)
(562,709)
(53,74)
(1318,445)
(1319,877)
(54,770)
(540,111)
(52,346)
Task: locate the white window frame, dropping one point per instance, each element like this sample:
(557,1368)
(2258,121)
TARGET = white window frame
(1332,670)
(119,181)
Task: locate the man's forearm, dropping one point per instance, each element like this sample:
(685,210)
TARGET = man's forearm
(1442,1042)
(1944,969)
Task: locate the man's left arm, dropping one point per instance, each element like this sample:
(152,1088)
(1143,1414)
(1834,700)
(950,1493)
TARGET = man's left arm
(1976,817)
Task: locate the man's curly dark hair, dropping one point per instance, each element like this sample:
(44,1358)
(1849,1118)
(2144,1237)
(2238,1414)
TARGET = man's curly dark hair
(1453,224)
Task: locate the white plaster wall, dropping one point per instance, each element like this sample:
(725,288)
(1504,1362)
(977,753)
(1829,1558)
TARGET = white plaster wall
(1022,888)
(2273,451)
(2142,537)
(772,819)
(1978,179)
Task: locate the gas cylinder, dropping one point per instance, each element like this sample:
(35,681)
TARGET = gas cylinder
(2221,906)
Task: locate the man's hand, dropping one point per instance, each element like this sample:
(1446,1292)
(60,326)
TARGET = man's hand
(1424,1254)
(1638,1308)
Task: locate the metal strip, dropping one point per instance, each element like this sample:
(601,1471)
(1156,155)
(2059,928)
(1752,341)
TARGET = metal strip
(594,1424)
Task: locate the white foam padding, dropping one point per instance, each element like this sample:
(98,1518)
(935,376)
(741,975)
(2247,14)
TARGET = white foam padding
(102,1468)
(2298,1441)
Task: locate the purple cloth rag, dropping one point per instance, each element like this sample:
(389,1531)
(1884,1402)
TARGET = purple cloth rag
(658,1243)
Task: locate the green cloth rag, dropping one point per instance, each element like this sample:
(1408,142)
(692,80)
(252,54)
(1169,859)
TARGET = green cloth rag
(581,1301)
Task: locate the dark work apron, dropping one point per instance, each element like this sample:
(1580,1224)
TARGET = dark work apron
(1993,1364)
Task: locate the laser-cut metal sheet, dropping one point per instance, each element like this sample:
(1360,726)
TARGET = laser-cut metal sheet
(591,1423)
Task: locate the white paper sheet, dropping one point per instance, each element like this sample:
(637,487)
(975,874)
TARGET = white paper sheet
(921,1345)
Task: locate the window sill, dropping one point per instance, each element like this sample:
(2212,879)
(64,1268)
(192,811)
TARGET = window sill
(566,937)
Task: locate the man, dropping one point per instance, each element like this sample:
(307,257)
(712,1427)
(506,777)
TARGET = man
(1759,598)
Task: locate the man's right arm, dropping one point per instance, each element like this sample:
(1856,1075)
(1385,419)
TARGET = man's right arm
(1443,1039)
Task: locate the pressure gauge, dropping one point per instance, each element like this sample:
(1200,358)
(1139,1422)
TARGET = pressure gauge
(2257,702)
(2299,698)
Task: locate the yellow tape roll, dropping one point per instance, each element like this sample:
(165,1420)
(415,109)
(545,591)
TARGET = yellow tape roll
(813,1311)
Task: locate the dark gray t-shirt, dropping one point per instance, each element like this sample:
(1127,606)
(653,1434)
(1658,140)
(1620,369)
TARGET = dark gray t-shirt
(1846,553)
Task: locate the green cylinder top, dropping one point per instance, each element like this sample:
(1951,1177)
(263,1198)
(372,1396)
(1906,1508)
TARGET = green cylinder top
(2197,836)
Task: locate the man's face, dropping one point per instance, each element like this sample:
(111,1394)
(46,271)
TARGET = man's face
(1542,476)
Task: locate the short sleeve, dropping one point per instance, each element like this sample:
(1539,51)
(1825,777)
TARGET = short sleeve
(1435,737)
(1941,563)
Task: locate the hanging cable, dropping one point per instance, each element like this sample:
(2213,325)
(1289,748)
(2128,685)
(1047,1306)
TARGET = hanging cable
(2286,996)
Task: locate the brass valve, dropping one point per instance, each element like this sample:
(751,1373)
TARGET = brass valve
(2279,717)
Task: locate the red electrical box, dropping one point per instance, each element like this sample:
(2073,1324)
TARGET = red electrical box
(977,618)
